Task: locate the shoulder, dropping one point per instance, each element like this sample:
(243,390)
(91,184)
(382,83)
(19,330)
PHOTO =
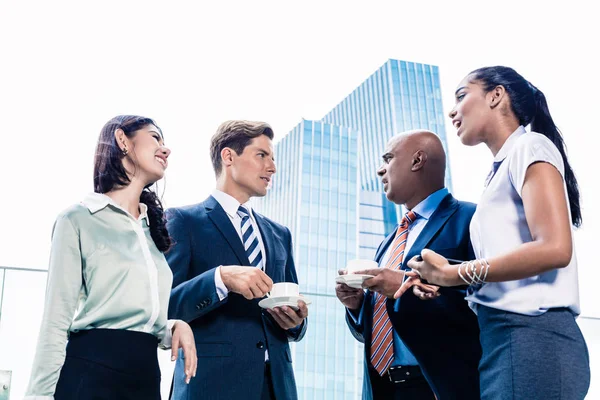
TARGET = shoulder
(534,147)
(466,206)
(275,226)
(72,218)
(188,211)
(74,214)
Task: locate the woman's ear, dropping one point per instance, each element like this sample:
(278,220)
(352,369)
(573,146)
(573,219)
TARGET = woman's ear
(496,95)
(122,140)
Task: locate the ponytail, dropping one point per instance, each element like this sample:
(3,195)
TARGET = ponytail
(156,216)
(543,123)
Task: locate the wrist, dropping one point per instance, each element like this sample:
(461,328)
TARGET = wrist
(452,276)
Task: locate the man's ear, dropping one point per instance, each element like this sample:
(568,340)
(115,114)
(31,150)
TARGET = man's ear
(418,160)
(227,156)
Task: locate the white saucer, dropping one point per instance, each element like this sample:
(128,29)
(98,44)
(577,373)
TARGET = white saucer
(290,301)
(353,280)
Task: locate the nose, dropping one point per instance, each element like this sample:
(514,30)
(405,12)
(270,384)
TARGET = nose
(452,113)
(381,170)
(166,151)
(271,167)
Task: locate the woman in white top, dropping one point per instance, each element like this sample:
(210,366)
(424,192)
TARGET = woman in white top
(523,284)
(108,280)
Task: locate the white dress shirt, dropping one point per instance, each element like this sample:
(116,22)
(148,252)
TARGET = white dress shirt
(499,226)
(231,205)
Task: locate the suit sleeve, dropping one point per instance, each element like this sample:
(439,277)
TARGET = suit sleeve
(354,320)
(295,334)
(193,298)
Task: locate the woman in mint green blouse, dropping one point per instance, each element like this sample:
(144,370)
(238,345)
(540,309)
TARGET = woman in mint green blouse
(108,281)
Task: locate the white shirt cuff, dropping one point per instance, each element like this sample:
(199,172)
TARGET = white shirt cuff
(38,398)
(222,291)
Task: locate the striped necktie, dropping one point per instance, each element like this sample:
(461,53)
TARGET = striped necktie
(382,338)
(250,239)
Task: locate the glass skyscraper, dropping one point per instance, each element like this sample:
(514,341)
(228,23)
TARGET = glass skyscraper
(327,192)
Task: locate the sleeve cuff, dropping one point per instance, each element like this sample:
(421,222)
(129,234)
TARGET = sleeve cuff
(352,315)
(167,341)
(38,398)
(222,291)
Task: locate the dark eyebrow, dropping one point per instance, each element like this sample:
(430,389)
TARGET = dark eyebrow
(459,89)
(387,155)
(261,150)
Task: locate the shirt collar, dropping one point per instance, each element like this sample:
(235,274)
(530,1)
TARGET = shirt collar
(510,142)
(97,201)
(230,204)
(428,206)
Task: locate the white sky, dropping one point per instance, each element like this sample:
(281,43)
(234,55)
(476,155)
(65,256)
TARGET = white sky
(68,67)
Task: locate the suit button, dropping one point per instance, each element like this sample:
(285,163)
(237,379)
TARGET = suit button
(198,306)
(208,301)
(260,345)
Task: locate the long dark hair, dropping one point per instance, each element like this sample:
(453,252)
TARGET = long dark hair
(109,172)
(530,107)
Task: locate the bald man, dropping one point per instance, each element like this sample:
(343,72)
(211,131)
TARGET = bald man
(426,342)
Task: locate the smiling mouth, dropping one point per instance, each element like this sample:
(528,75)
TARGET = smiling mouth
(162,161)
(267,180)
(457,124)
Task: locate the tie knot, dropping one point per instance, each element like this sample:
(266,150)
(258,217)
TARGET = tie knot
(242,212)
(409,218)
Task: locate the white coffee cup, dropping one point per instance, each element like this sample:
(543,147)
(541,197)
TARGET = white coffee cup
(284,289)
(360,265)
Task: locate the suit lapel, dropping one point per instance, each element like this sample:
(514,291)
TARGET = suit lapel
(267,237)
(447,207)
(219,217)
(384,245)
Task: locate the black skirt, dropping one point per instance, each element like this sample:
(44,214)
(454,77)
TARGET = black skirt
(110,364)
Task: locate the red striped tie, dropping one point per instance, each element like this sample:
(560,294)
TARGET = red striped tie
(382,340)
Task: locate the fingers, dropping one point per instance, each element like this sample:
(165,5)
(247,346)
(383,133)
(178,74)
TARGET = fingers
(183,338)
(410,282)
(372,271)
(285,317)
(413,263)
(302,310)
(175,346)
(266,279)
(342,287)
(424,295)
(190,366)
(342,272)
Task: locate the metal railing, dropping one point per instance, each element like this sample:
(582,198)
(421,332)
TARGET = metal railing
(21,302)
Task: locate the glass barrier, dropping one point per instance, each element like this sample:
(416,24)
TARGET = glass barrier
(21,306)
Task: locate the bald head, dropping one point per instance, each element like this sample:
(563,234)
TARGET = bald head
(414,167)
(411,142)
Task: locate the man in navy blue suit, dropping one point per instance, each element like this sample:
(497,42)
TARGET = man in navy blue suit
(225,258)
(427,340)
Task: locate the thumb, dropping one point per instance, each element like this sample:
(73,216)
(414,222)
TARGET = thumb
(431,257)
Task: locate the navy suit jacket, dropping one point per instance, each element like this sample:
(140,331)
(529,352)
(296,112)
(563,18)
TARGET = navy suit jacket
(442,333)
(231,335)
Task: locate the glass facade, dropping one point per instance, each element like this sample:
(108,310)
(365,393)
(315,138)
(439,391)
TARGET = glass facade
(327,192)
(315,193)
